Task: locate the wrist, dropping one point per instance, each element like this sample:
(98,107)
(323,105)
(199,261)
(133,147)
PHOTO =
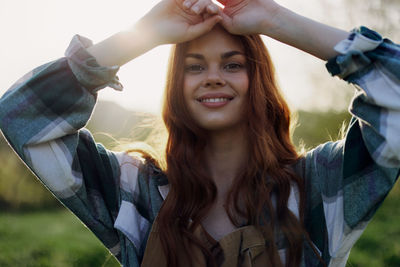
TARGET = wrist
(143,33)
(303,33)
(273,20)
(121,47)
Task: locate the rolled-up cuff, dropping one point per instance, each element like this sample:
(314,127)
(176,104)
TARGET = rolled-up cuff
(86,69)
(352,52)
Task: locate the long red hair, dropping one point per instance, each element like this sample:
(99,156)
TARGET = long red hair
(268,171)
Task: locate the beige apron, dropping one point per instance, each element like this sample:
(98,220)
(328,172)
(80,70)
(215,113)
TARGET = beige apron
(244,247)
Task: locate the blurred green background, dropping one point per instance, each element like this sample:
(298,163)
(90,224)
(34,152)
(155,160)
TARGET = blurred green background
(35,230)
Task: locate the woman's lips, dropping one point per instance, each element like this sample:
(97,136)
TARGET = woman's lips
(214,100)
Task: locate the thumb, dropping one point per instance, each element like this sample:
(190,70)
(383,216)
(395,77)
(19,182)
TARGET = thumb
(203,27)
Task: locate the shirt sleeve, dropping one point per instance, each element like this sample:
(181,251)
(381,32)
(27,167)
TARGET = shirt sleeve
(42,116)
(347,181)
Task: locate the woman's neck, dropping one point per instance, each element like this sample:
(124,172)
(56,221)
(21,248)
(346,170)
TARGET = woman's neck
(225,156)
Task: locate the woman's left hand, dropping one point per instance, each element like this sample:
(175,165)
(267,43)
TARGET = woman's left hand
(249,16)
(266,17)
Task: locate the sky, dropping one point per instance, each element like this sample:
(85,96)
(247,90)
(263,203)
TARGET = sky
(36,32)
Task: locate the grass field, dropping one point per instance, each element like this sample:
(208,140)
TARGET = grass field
(58,239)
(44,239)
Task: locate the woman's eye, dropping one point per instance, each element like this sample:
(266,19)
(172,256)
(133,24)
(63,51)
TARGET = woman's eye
(233,67)
(194,68)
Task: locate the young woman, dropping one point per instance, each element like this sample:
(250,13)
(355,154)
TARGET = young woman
(234,191)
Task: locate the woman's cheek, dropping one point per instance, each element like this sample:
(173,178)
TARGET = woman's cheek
(191,83)
(240,82)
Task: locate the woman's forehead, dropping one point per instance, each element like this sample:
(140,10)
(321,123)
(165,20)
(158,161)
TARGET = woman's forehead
(217,38)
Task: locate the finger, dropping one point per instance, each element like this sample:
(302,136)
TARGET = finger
(203,27)
(200,6)
(226,21)
(212,9)
(207,15)
(188,3)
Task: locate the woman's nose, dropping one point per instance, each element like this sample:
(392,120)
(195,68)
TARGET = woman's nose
(214,79)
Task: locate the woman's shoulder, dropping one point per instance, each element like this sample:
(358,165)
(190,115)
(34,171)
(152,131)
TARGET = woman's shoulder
(326,155)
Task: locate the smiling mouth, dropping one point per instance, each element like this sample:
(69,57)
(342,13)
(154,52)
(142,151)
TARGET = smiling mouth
(214,100)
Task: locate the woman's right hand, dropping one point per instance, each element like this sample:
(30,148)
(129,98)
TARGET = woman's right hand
(269,18)
(170,22)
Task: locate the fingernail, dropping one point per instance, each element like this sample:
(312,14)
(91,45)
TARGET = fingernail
(213,9)
(186,4)
(196,9)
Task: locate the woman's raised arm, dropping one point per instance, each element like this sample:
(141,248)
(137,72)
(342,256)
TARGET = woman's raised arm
(167,23)
(269,18)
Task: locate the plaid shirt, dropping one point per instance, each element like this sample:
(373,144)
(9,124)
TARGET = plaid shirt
(118,197)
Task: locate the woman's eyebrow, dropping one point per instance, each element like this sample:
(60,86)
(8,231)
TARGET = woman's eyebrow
(231,54)
(196,56)
(223,55)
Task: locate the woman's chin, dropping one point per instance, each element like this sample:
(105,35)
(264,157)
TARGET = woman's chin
(220,125)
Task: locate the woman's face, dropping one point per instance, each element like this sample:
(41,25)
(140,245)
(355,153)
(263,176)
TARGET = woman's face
(216,80)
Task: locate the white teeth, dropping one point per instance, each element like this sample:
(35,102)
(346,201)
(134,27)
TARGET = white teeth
(214,100)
